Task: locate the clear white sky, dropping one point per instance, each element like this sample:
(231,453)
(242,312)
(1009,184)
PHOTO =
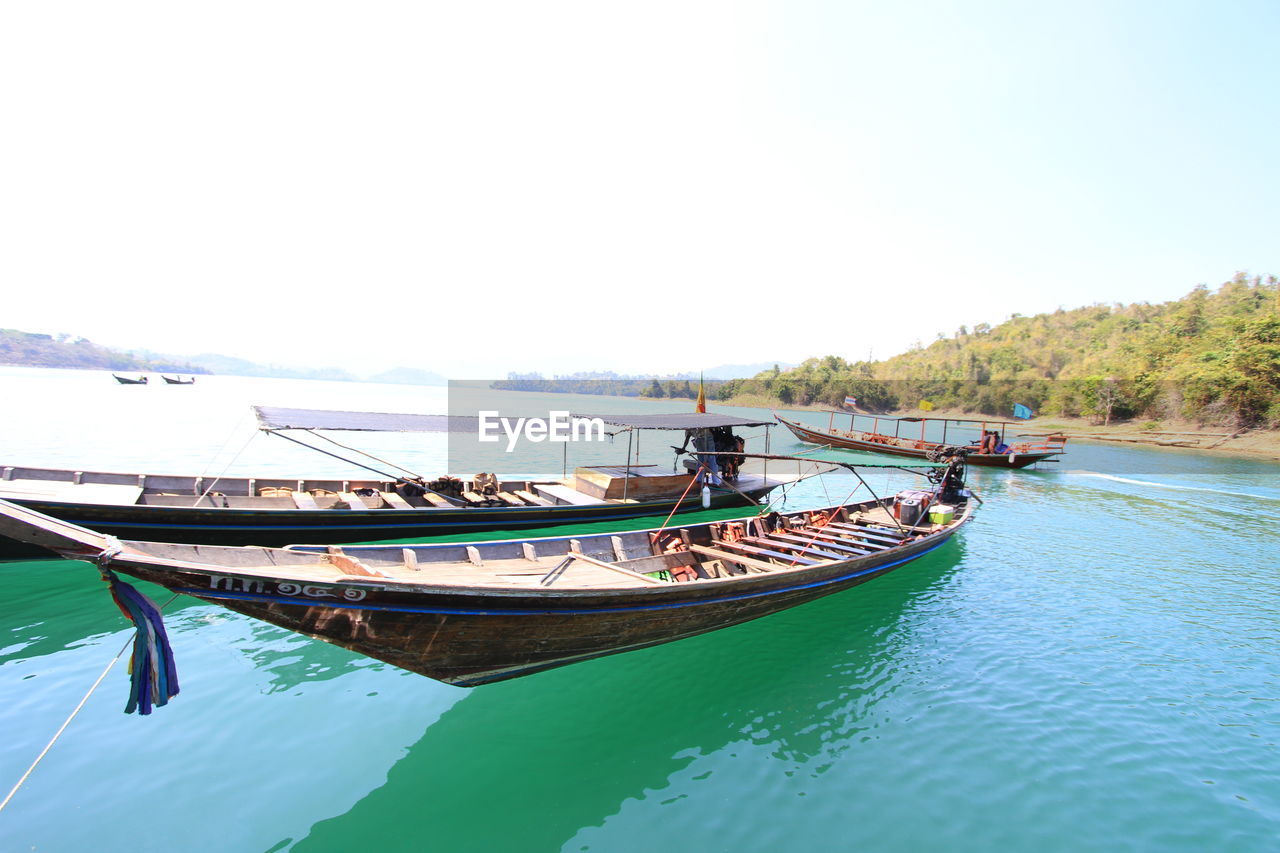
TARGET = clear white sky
(640,187)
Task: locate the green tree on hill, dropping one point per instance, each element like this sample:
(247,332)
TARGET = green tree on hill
(1213,356)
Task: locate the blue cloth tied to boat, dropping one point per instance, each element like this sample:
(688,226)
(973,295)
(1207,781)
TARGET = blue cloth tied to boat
(153,676)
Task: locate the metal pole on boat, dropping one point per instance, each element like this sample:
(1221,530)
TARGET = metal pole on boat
(627,480)
(766,450)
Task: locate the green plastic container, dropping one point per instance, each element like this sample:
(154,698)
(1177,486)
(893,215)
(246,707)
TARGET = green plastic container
(942,514)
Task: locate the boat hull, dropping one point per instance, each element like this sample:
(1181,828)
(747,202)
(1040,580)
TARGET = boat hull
(275,527)
(474,636)
(990,460)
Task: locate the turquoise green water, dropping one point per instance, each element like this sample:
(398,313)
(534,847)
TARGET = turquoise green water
(1091,665)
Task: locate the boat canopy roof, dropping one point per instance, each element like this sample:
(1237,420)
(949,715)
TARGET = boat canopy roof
(856,458)
(916,420)
(678,420)
(279,418)
(275,417)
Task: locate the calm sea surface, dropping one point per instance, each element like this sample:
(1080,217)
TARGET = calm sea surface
(1093,664)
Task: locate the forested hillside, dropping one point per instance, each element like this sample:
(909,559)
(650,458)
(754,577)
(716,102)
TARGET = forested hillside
(37,350)
(1212,356)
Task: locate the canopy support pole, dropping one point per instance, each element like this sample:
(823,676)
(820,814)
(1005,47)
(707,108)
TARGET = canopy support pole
(627,480)
(363,453)
(879,502)
(394,477)
(766,451)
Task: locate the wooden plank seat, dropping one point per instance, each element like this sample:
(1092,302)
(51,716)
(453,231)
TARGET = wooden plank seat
(825,541)
(303,500)
(532,499)
(564,494)
(765,552)
(395,501)
(352,500)
(804,546)
(488,500)
(886,532)
(436,500)
(737,559)
(68,492)
(839,536)
(891,537)
(852,531)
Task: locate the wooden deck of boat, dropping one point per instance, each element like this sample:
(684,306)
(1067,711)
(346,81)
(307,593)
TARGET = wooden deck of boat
(869,530)
(505,574)
(61,490)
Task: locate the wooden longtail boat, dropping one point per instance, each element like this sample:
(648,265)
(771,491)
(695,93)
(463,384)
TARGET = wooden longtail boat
(1016,456)
(469,614)
(178,380)
(276,510)
(130,380)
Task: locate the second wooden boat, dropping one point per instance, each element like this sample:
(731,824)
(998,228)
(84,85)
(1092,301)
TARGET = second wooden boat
(275,510)
(1018,455)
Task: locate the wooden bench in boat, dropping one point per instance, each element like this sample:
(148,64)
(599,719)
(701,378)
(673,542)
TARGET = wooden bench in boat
(352,500)
(825,535)
(303,500)
(842,536)
(530,498)
(564,494)
(765,552)
(436,501)
(826,542)
(746,562)
(68,492)
(865,532)
(803,547)
(395,501)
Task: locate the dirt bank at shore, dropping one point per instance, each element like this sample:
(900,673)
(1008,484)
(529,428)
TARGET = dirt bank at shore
(1172,435)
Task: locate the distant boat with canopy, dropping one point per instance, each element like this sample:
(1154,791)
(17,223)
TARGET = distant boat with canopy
(911,437)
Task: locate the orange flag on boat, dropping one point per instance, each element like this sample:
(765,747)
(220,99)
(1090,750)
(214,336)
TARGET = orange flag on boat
(702,397)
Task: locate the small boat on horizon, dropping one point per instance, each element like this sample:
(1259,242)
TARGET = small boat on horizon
(990,451)
(178,380)
(141,379)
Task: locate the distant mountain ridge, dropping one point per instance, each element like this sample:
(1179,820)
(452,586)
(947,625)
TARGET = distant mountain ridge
(41,350)
(33,349)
